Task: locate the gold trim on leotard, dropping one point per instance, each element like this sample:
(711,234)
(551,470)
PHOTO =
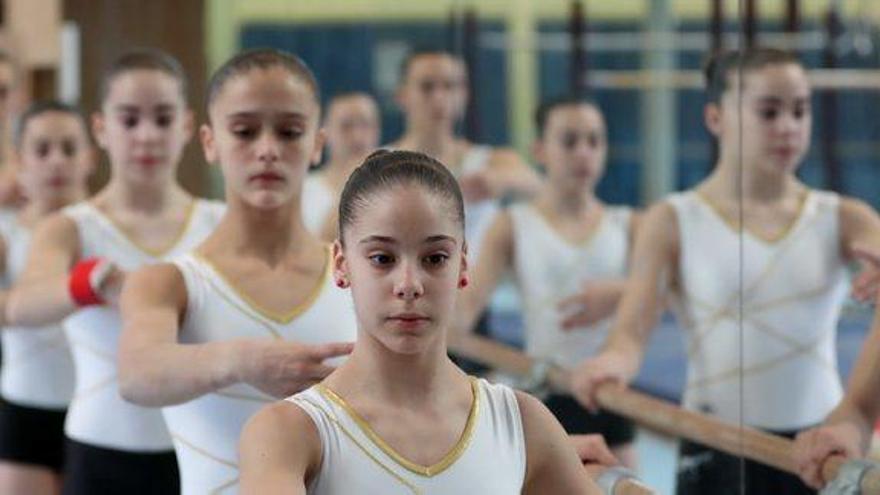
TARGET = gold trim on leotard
(750,313)
(734,225)
(155,253)
(585,243)
(208,455)
(280,318)
(427,471)
(416,490)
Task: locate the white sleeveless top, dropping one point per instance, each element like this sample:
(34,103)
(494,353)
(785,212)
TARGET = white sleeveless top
(206,430)
(549,268)
(782,368)
(37,366)
(489,458)
(317,201)
(98,415)
(479,215)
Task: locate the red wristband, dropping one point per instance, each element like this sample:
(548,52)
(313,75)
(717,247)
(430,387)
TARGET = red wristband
(80,283)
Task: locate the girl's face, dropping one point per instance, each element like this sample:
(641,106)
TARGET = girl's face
(144,126)
(773,134)
(264,134)
(434,92)
(404,260)
(574,147)
(55,157)
(353,127)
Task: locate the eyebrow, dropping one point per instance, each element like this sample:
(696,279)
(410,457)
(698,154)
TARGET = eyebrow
(134,108)
(774,99)
(251,114)
(391,240)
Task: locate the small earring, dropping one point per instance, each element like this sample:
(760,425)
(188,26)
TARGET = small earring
(340,283)
(463,283)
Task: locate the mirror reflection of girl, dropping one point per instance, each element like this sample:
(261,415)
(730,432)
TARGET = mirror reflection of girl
(751,241)
(398,416)
(568,252)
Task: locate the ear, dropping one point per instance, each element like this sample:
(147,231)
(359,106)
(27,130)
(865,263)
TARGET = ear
(400,96)
(206,136)
(320,139)
(463,266)
(340,265)
(712,118)
(189,124)
(99,129)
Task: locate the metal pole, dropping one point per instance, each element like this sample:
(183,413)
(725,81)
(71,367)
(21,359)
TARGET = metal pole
(470,45)
(659,171)
(829,135)
(716,25)
(577,28)
(751,23)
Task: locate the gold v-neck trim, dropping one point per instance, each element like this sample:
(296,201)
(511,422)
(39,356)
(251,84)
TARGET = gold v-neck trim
(155,253)
(427,471)
(586,242)
(802,208)
(282,318)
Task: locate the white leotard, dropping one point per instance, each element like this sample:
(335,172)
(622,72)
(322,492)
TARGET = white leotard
(98,415)
(490,457)
(549,268)
(317,202)
(781,369)
(37,366)
(206,430)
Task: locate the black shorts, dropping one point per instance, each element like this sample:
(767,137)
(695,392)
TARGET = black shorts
(617,430)
(705,470)
(30,435)
(96,470)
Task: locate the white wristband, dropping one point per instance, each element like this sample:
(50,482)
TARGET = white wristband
(609,478)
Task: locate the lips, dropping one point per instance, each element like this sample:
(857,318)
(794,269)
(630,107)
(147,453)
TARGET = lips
(409,320)
(581,173)
(267,177)
(57,182)
(148,161)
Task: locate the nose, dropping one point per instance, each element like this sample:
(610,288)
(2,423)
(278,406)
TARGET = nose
(267,148)
(790,123)
(408,285)
(148,131)
(582,148)
(57,160)
(439,95)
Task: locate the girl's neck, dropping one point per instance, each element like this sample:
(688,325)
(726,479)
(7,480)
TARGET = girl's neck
(729,182)
(269,234)
(338,169)
(149,198)
(37,209)
(568,204)
(433,141)
(398,378)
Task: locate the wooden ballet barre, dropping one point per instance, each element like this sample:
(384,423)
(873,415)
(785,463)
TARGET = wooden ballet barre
(853,79)
(663,416)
